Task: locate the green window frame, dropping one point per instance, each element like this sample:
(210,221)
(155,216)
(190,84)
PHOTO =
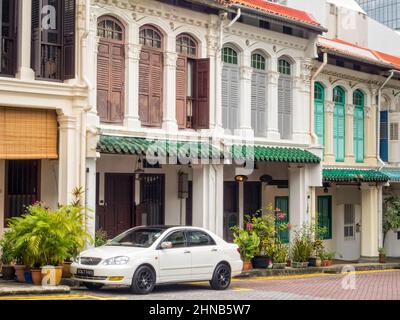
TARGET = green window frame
(319,112)
(324,211)
(283,204)
(229,55)
(339,124)
(284,67)
(358,125)
(258,61)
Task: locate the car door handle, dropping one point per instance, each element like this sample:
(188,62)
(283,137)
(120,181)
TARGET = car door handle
(187,251)
(214,250)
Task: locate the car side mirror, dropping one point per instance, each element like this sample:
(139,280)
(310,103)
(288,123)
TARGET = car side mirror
(166,245)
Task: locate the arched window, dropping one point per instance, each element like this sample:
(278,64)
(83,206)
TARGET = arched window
(258,94)
(151,76)
(110,70)
(285,99)
(339,124)
(358,125)
(186,45)
(230,89)
(319,112)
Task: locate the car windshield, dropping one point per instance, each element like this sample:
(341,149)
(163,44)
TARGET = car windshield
(143,237)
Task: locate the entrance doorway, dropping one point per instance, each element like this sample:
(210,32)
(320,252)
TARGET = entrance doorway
(152,200)
(252,198)
(231,208)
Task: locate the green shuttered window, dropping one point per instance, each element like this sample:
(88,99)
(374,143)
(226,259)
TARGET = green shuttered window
(258,95)
(339,124)
(282,203)
(230,89)
(319,109)
(325,215)
(358,101)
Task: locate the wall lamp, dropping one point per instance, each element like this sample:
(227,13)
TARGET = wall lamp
(241,178)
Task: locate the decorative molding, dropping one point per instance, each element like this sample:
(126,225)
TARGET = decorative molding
(329,105)
(245,73)
(273,77)
(170,59)
(349,109)
(133,51)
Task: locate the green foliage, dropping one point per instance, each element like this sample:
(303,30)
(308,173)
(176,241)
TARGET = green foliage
(281,253)
(327,255)
(248,242)
(7,249)
(391,216)
(382,251)
(100,238)
(303,243)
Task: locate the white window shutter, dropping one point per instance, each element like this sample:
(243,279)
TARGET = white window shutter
(285,106)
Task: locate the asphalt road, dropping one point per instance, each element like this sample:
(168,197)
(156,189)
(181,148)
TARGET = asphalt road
(376,285)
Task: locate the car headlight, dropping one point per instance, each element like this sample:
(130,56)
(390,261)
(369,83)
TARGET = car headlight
(116,261)
(76,259)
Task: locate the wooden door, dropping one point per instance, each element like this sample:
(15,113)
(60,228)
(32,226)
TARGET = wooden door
(252,198)
(152,199)
(231,208)
(118,203)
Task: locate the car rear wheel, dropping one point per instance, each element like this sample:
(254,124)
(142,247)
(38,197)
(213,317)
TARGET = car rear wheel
(93,286)
(221,278)
(143,281)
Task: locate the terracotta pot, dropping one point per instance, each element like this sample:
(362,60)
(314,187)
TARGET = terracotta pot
(8,272)
(20,272)
(66,272)
(289,263)
(327,263)
(382,258)
(55,273)
(246,266)
(36,276)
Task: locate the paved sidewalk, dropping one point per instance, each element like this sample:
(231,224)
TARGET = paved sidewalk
(12,288)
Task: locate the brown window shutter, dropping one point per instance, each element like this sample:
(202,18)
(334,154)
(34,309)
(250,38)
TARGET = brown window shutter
(117,83)
(9,37)
(201,106)
(68,48)
(181,67)
(144,87)
(36,37)
(16,7)
(103,80)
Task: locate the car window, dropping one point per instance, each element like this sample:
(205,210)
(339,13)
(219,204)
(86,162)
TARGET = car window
(177,239)
(200,238)
(140,237)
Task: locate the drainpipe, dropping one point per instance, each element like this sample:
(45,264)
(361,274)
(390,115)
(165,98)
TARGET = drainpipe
(315,75)
(378,119)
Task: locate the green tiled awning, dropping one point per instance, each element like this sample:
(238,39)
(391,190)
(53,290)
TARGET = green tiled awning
(161,148)
(273,154)
(354,175)
(393,174)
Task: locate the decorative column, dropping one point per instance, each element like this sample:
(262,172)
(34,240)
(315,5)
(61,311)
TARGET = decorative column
(272,105)
(370,132)
(132,88)
(215,82)
(297,195)
(169,102)
(329,153)
(349,130)
(25,71)
(370,223)
(68,164)
(245,101)
(91,196)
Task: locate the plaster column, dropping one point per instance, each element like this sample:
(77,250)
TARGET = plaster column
(329,156)
(25,71)
(132,89)
(297,196)
(207,197)
(91,196)
(215,82)
(169,94)
(370,132)
(272,105)
(245,101)
(349,133)
(68,164)
(369,222)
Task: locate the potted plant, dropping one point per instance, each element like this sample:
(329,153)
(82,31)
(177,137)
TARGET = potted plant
(7,258)
(318,245)
(248,243)
(280,256)
(302,247)
(382,255)
(327,258)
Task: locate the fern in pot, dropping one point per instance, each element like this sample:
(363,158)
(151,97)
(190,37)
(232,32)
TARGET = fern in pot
(302,247)
(7,257)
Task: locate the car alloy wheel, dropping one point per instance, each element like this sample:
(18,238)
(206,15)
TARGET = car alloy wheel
(143,280)
(221,278)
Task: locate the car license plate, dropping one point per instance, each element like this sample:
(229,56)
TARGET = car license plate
(85,272)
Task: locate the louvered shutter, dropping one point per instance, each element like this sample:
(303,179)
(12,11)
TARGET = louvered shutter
(68,49)
(285,106)
(359,134)
(181,67)
(383,136)
(234,98)
(319,120)
(225,96)
(282,203)
(144,87)
(117,82)
(201,106)
(325,215)
(258,102)
(156,85)
(103,79)
(36,37)
(339,132)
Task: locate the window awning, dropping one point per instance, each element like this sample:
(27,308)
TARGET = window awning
(353,175)
(393,174)
(273,154)
(157,147)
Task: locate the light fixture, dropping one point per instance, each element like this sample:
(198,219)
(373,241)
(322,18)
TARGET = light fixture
(241,178)
(266,178)
(326,185)
(138,168)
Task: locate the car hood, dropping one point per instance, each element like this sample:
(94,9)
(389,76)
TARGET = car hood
(105,252)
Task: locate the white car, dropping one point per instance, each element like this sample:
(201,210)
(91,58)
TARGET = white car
(145,256)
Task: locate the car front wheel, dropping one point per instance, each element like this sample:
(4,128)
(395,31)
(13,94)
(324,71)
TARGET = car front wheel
(221,278)
(143,281)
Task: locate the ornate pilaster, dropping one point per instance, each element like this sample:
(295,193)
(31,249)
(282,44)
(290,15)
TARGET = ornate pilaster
(349,137)
(272,110)
(169,112)
(132,89)
(329,156)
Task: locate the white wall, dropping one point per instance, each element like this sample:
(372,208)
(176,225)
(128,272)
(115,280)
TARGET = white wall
(389,43)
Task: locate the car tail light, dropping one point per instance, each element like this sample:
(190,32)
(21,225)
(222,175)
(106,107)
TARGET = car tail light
(238,250)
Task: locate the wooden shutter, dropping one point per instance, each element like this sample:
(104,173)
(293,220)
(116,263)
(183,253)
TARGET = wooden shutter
(282,203)
(319,122)
(339,132)
(103,80)
(230,97)
(285,106)
(150,87)
(201,106)
(9,39)
(181,68)
(68,48)
(325,215)
(383,136)
(359,134)
(36,37)
(258,102)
